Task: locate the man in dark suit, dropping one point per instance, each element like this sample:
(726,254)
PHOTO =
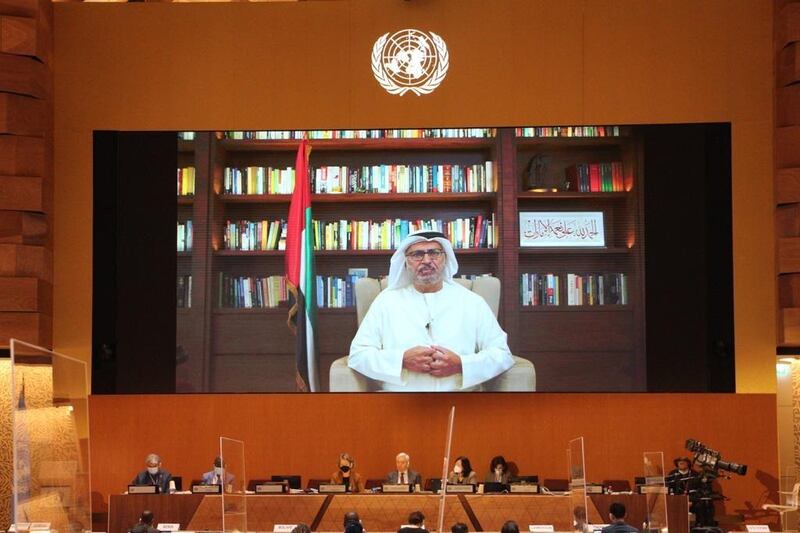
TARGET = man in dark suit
(153,474)
(416,524)
(145,524)
(403,475)
(616,515)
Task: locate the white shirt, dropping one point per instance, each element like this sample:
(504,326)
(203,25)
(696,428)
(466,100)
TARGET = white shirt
(453,317)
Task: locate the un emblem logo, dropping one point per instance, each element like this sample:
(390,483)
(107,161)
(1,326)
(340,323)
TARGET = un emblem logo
(410,60)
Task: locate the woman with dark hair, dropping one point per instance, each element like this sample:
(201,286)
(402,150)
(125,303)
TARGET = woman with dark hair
(498,471)
(462,473)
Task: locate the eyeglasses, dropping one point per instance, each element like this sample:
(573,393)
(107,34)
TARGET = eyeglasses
(419,255)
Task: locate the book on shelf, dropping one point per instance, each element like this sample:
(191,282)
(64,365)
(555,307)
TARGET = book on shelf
(569,131)
(596,177)
(186,181)
(255,235)
(186,135)
(185,236)
(430,133)
(472,232)
(597,289)
(184,291)
(251,292)
(336,292)
(258,180)
(540,289)
(404,178)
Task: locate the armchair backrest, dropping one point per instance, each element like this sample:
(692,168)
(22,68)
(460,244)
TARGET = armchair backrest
(366,289)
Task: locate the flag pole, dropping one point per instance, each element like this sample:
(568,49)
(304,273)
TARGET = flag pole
(445,465)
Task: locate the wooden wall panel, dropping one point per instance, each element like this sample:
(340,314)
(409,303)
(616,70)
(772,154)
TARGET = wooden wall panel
(303,434)
(787,169)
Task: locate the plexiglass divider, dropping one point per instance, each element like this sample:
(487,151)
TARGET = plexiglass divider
(50,425)
(655,490)
(234,500)
(577,485)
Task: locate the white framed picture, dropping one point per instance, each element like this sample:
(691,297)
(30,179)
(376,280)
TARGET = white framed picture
(561,229)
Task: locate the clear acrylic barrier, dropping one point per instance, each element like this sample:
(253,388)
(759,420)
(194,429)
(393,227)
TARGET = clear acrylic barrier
(577,484)
(655,490)
(234,501)
(50,420)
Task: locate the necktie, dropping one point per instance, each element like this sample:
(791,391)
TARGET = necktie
(402,478)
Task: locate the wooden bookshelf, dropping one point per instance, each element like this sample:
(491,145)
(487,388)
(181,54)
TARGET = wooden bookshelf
(553,337)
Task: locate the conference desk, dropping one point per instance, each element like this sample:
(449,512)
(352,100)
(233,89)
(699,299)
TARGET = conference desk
(382,512)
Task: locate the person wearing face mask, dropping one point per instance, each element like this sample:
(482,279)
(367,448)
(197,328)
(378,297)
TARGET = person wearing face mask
(462,473)
(680,479)
(346,475)
(216,476)
(153,474)
(498,471)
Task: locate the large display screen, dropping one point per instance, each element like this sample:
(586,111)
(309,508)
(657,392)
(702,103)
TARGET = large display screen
(499,259)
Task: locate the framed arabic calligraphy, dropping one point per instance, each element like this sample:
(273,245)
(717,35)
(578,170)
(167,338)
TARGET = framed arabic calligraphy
(561,229)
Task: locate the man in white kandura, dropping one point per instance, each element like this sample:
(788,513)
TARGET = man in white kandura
(426,332)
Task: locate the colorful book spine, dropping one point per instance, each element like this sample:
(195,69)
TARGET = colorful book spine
(540,289)
(568,131)
(336,292)
(185,236)
(430,133)
(249,235)
(186,181)
(596,177)
(597,289)
(251,292)
(473,232)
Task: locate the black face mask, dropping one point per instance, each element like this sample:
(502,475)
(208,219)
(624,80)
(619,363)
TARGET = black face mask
(344,468)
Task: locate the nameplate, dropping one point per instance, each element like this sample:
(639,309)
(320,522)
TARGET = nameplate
(270,488)
(525,488)
(22,526)
(396,489)
(143,489)
(332,488)
(757,528)
(594,489)
(206,489)
(541,528)
(168,526)
(654,489)
(460,489)
(283,528)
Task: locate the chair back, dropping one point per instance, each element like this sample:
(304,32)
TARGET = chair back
(367,289)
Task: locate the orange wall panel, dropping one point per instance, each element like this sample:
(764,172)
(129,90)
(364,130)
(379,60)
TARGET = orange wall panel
(156,66)
(303,434)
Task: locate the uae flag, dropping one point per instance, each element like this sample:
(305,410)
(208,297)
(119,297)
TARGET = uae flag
(300,275)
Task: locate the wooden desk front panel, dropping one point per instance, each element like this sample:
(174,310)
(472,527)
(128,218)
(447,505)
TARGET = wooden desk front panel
(381,512)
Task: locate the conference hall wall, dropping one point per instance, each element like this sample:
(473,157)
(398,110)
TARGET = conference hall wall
(144,67)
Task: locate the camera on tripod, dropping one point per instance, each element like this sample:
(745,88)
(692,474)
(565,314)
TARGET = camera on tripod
(710,459)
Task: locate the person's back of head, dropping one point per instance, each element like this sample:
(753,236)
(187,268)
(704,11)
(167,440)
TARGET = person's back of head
(352,523)
(510,527)
(616,511)
(459,527)
(416,519)
(301,528)
(146,518)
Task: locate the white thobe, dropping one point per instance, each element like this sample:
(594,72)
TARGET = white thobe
(453,317)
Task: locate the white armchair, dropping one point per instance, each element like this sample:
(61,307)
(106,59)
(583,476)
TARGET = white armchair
(520,377)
